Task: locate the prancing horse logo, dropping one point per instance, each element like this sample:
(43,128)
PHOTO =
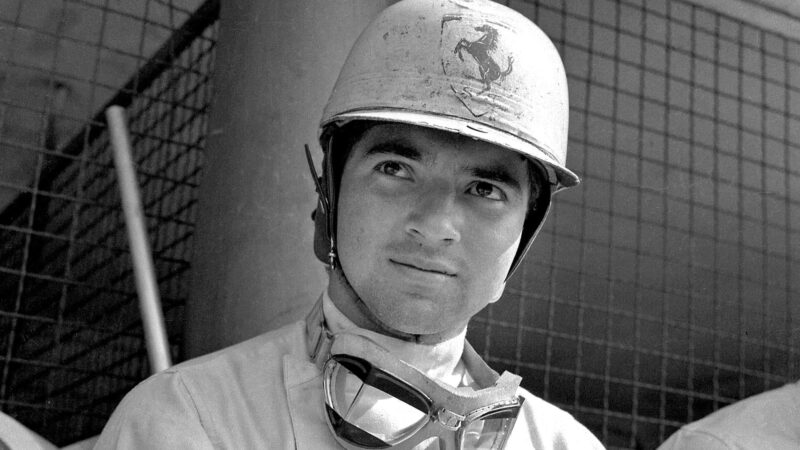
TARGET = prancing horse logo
(480,50)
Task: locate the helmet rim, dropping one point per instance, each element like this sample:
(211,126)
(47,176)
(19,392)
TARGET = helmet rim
(560,176)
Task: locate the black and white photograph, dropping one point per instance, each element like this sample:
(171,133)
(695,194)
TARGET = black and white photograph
(400,224)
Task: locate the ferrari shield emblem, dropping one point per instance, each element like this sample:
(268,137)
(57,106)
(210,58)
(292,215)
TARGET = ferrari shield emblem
(473,51)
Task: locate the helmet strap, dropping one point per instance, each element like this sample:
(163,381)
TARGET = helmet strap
(331,228)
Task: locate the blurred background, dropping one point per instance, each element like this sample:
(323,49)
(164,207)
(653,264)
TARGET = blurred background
(661,289)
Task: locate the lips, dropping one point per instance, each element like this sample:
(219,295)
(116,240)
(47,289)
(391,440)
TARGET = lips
(425,265)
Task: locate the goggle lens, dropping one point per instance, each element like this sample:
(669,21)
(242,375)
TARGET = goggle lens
(367,401)
(489,432)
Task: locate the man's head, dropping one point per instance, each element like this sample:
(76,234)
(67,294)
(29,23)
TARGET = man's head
(445,114)
(428,224)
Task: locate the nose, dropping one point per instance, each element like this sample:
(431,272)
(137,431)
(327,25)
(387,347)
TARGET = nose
(435,218)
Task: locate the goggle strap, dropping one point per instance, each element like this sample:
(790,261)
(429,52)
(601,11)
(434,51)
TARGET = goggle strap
(331,196)
(477,368)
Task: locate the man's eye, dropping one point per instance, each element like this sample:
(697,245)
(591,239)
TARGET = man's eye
(392,168)
(486,190)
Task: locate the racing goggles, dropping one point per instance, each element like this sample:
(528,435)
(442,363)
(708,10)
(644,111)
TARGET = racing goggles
(376,401)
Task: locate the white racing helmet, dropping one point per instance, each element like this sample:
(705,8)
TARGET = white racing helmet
(471,67)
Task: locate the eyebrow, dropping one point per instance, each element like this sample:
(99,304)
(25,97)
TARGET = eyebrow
(394,147)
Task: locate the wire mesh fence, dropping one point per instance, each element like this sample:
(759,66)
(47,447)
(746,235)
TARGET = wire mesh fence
(70,334)
(665,287)
(660,290)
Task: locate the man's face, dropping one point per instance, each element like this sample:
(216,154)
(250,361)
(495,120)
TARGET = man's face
(428,224)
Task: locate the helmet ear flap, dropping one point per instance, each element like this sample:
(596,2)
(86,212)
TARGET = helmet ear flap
(323,214)
(322,241)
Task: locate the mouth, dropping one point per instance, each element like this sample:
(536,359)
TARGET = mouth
(430,267)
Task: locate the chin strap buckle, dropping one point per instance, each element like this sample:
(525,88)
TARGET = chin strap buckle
(332,257)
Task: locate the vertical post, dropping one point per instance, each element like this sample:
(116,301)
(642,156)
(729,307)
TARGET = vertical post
(146,284)
(253,267)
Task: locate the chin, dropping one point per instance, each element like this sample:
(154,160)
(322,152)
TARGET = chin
(419,319)
(411,316)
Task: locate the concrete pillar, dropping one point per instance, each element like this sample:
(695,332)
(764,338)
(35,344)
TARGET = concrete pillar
(254,268)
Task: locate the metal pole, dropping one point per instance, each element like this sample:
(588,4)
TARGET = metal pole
(146,285)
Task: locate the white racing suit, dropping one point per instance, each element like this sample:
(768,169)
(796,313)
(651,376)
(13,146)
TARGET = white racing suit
(266,393)
(770,420)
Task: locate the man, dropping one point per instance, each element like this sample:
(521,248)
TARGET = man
(767,420)
(443,140)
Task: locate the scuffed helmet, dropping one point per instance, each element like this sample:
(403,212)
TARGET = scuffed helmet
(472,67)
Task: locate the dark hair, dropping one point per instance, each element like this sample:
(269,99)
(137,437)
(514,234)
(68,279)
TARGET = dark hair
(344,139)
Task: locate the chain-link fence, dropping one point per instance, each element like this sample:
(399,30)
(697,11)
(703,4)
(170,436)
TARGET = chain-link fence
(665,286)
(71,342)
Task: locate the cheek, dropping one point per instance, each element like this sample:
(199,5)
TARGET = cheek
(494,278)
(491,258)
(358,226)
(507,257)
(349,228)
(497,241)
